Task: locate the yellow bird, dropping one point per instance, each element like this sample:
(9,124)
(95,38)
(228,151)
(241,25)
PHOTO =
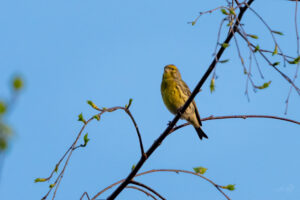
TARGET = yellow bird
(175,93)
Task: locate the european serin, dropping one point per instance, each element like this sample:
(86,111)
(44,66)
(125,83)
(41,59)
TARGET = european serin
(175,93)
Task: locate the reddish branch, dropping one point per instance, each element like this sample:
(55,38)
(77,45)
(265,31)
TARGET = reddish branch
(147,188)
(141,190)
(219,187)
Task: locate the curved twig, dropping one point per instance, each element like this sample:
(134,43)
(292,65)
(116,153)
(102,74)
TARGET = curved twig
(166,170)
(74,147)
(141,190)
(148,188)
(236,117)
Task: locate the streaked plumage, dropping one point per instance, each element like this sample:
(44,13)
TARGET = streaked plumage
(175,92)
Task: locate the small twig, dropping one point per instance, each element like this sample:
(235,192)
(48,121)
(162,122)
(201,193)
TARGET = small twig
(298,54)
(74,147)
(141,190)
(240,117)
(165,170)
(147,188)
(86,194)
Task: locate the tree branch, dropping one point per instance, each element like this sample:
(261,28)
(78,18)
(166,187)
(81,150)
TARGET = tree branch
(219,187)
(147,188)
(144,191)
(187,103)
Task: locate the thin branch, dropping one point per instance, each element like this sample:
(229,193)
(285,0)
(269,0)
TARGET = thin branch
(161,138)
(238,117)
(74,147)
(85,194)
(219,187)
(141,190)
(298,54)
(147,188)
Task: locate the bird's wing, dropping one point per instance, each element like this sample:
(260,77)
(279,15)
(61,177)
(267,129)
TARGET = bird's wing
(185,89)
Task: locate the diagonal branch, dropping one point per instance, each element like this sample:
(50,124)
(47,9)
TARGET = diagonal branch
(161,138)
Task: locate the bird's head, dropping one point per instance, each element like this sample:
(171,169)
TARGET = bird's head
(171,71)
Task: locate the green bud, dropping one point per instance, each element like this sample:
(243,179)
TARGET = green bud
(253,36)
(86,139)
(230,187)
(223,61)
(92,104)
(81,119)
(256,48)
(2,107)
(265,85)
(129,104)
(212,85)
(200,170)
(225,45)
(224,11)
(275,50)
(40,180)
(132,168)
(97,117)
(17,83)
(277,32)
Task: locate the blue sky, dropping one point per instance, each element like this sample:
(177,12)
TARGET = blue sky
(109,51)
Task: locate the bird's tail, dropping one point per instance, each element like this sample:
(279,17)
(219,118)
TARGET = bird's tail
(200,133)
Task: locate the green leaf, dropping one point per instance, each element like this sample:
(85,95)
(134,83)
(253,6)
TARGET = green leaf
(200,170)
(17,83)
(275,52)
(40,180)
(132,168)
(295,61)
(253,36)
(225,45)
(193,23)
(230,187)
(265,85)
(256,48)
(56,168)
(2,107)
(129,104)
(231,10)
(275,64)
(212,85)
(3,144)
(51,185)
(224,11)
(223,61)
(86,139)
(97,117)
(92,104)
(277,32)
(81,119)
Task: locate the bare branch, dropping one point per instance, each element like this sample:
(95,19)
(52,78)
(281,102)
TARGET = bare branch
(147,188)
(144,191)
(219,187)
